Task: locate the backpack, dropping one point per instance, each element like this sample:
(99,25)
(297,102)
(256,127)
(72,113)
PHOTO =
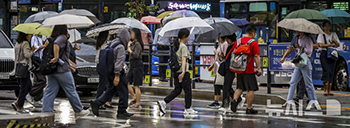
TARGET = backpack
(174,63)
(239,60)
(47,68)
(106,59)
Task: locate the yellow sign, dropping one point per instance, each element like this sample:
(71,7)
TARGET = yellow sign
(190,71)
(147,79)
(265,62)
(196,70)
(347,32)
(274,41)
(212,74)
(167,73)
(105,9)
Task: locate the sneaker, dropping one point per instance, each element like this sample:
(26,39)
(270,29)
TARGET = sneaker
(94,107)
(15,105)
(162,106)
(251,111)
(222,109)
(23,111)
(215,104)
(30,99)
(38,103)
(241,103)
(124,115)
(82,113)
(234,104)
(190,111)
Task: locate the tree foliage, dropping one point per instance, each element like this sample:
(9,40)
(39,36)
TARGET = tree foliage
(138,7)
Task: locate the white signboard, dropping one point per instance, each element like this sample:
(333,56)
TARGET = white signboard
(206,60)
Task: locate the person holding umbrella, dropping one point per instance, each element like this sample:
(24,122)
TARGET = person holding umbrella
(330,39)
(63,76)
(23,53)
(182,77)
(135,74)
(101,43)
(117,80)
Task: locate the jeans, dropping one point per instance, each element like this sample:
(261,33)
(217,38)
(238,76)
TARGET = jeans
(54,82)
(122,90)
(25,87)
(185,85)
(103,83)
(306,73)
(163,59)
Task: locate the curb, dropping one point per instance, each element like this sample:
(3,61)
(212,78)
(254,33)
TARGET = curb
(209,95)
(28,120)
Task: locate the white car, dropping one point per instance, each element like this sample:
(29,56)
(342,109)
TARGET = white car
(7,63)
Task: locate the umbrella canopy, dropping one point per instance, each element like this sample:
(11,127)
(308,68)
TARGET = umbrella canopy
(27,28)
(111,27)
(82,12)
(337,16)
(222,26)
(197,26)
(301,25)
(72,21)
(150,20)
(74,35)
(239,22)
(164,14)
(44,31)
(133,23)
(179,14)
(40,16)
(309,14)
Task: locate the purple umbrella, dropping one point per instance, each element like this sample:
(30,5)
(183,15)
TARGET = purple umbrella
(239,22)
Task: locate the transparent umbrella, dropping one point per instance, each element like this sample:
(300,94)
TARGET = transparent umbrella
(195,24)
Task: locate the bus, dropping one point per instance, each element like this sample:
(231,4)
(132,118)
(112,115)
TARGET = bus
(265,14)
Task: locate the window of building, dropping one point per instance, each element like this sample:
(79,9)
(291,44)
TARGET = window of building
(257,7)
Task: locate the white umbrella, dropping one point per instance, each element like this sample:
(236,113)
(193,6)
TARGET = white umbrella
(72,21)
(301,25)
(82,12)
(74,35)
(197,26)
(133,23)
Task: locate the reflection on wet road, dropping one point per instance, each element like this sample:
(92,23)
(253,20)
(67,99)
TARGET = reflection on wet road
(149,116)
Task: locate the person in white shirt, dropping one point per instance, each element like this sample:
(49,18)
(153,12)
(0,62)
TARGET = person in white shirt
(330,39)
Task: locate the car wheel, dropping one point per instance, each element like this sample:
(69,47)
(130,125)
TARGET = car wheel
(341,77)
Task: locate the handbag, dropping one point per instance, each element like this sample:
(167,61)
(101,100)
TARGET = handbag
(72,66)
(21,68)
(332,53)
(219,80)
(300,60)
(221,69)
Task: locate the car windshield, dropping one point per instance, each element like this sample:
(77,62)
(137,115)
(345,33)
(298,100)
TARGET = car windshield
(4,43)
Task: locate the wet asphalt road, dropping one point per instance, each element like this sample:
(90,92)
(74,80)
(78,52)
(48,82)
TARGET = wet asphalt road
(149,116)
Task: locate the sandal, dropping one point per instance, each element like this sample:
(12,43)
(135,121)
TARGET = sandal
(132,102)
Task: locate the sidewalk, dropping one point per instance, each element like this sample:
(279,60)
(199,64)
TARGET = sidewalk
(278,95)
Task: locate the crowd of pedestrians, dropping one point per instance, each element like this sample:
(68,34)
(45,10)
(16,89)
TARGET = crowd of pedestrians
(31,50)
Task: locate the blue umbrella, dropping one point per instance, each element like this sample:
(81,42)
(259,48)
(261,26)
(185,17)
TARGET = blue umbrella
(337,16)
(239,22)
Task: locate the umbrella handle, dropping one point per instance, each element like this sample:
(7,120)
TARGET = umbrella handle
(76,46)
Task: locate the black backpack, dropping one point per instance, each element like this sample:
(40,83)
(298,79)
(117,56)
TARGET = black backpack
(47,68)
(174,63)
(106,59)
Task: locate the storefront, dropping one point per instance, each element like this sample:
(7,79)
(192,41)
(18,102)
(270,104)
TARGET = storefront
(203,8)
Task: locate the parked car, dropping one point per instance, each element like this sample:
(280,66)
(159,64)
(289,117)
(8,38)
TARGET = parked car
(7,64)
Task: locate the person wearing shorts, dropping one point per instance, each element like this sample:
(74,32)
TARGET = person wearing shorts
(135,74)
(247,80)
